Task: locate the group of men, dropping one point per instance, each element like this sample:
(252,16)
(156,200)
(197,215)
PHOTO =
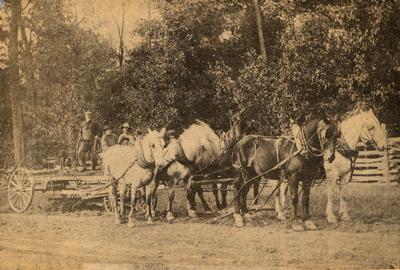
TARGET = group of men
(90,131)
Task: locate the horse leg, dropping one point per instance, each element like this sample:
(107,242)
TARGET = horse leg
(224,192)
(172,185)
(306,206)
(153,185)
(200,193)
(294,192)
(331,184)
(343,212)
(256,187)
(238,218)
(191,204)
(216,197)
(114,204)
(134,194)
(122,192)
(279,206)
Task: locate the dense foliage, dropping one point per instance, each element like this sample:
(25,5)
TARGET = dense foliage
(201,59)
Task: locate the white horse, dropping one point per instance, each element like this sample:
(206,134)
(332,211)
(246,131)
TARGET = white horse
(197,147)
(134,165)
(356,126)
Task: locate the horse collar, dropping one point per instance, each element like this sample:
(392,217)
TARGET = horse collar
(142,162)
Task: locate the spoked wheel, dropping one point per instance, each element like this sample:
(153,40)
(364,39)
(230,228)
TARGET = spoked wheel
(20,190)
(108,205)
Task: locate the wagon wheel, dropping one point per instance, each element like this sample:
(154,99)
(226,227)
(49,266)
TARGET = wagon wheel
(107,205)
(20,190)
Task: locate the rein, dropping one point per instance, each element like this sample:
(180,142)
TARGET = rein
(311,150)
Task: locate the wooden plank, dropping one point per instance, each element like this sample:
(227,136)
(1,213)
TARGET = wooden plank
(370,153)
(369,160)
(374,171)
(363,179)
(394,150)
(386,167)
(368,172)
(393,140)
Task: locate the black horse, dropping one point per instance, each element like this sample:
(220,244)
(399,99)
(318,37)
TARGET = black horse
(254,155)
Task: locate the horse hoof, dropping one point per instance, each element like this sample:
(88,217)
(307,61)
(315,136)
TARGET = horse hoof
(345,217)
(150,221)
(248,217)
(239,222)
(208,212)
(118,221)
(170,216)
(332,219)
(192,213)
(297,228)
(131,224)
(310,225)
(281,217)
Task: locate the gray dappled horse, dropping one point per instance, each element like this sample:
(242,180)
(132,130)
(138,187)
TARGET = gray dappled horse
(134,165)
(196,148)
(254,155)
(358,125)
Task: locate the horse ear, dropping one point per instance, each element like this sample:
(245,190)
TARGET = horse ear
(148,130)
(370,111)
(162,132)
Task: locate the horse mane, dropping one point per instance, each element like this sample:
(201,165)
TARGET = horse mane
(358,108)
(200,144)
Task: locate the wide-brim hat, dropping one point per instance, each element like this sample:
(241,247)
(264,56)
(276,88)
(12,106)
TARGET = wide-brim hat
(126,125)
(88,113)
(106,127)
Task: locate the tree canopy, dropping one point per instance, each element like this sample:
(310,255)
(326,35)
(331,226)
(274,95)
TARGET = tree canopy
(200,59)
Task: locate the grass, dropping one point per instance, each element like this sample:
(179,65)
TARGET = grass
(367,203)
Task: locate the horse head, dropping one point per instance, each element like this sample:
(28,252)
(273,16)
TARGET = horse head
(153,146)
(371,131)
(314,134)
(362,126)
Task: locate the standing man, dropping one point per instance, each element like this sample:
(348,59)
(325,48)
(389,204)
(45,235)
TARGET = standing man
(126,138)
(108,139)
(89,131)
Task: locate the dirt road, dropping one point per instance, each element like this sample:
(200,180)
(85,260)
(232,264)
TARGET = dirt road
(42,241)
(58,236)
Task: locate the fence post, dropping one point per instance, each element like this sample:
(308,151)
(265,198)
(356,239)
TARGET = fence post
(386,163)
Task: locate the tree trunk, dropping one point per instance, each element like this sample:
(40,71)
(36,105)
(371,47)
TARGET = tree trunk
(14,84)
(29,68)
(260,31)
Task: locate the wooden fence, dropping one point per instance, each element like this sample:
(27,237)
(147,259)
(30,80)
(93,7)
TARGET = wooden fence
(379,166)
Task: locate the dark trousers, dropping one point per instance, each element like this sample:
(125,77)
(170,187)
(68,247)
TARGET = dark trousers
(84,148)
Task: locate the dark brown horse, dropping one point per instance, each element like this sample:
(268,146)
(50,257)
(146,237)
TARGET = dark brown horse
(255,155)
(238,129)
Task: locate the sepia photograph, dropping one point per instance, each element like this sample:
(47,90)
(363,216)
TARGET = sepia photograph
(199,134)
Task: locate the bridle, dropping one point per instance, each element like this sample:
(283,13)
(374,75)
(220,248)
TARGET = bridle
(311,150)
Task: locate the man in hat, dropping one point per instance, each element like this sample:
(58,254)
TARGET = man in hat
(89,130)
(108,139)
(125,138)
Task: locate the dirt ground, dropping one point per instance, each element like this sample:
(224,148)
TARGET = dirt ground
(52,237)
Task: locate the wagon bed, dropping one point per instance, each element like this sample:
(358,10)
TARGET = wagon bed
(24,182)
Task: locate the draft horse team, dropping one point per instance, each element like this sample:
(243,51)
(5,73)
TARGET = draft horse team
(320,146)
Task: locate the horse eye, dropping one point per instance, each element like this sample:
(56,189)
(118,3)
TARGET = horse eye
(153,145)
